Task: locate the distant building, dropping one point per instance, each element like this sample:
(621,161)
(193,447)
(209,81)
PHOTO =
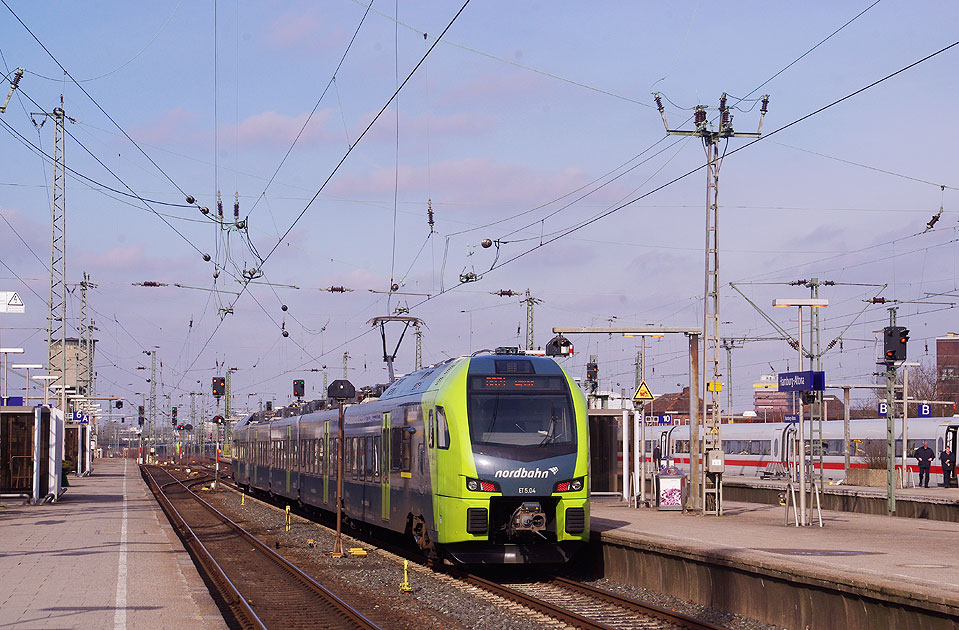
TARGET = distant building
(77,378)
(947,367)
(770,404)
(675,405)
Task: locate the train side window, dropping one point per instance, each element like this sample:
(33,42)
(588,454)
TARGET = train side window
(442,429)
(320,461)
(350,446)
(396,447)
(407,450)
(376,457)
(358,457)
(334,453)
(432,428)
(368,455)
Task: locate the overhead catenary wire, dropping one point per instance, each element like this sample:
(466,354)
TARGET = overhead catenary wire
(678,178)
(331,82)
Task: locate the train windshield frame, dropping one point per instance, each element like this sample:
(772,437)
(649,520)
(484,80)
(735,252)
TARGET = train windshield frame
(523,416)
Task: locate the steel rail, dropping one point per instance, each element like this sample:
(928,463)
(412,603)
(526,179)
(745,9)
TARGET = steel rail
(553,610)
(648,609)
(228,590)
(354,615)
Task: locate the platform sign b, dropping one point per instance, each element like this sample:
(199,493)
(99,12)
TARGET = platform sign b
(925,410)
(883,409)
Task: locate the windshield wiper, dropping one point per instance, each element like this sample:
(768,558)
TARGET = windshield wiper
(550,436)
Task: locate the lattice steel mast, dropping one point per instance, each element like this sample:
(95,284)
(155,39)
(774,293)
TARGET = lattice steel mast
(57,303)
(712,375)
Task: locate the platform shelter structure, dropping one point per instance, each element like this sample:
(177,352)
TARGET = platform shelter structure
(31,453)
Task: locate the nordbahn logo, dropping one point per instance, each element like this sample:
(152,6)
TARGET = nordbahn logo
(526,473)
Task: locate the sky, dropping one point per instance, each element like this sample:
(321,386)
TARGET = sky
(529,124)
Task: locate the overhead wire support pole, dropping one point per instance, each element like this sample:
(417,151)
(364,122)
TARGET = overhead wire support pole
(57,313)
(712,374)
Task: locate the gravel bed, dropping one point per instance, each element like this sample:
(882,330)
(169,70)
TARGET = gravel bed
(371,583)
(437,601)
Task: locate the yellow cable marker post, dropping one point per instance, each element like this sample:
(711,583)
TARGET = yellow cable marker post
(242,498)
(288,518)
(405,584)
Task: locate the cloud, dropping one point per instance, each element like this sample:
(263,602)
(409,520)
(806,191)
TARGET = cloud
(497,87)
(126,258)
(302,29)
(271,128)
(174,125)
(461,124)
(478,179)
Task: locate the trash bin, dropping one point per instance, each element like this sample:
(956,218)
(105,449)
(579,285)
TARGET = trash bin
(671,489)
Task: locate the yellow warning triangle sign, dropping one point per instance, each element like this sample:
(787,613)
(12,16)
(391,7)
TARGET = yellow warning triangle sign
(643,393)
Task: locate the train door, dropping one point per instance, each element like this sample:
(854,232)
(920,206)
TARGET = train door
(666,445)
(787,451)
(952,441)
(327,457)
(385,468)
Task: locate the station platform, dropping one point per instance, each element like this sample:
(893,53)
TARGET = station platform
(737,559)
(104,556)
(935,503)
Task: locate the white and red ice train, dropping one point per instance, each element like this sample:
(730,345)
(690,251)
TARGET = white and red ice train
(750,447)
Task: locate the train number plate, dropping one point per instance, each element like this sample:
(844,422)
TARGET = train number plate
(527,490)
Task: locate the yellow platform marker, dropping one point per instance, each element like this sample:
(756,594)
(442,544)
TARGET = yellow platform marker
(289,519)
(357,552)
(242,498)
(405,584)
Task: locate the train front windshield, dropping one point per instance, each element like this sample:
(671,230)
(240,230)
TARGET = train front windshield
(522,417)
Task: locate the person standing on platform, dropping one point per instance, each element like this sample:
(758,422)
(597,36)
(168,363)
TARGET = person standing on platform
(924,455)
(948,460)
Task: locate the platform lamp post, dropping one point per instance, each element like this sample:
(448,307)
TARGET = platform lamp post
(340,390)
(799,303)
(26,387)
(6,375)
(47,379)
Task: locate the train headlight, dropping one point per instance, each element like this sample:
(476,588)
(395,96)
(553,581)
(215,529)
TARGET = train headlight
(572,485)
(479,485)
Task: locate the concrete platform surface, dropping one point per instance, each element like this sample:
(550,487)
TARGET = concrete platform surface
(911,558)
(932,494)
(104,556)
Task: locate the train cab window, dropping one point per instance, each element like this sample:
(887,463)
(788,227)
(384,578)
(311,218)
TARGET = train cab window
(442,430)
(522,416)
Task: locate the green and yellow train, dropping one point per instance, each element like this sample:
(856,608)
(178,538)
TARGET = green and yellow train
(481,459)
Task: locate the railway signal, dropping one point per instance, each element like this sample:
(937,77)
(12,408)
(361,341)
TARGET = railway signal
(299,387)
(219,386)
(140,418)
(894,343)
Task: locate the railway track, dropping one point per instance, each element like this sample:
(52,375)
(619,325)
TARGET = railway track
(584,606)
(573,603)
(261,588)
